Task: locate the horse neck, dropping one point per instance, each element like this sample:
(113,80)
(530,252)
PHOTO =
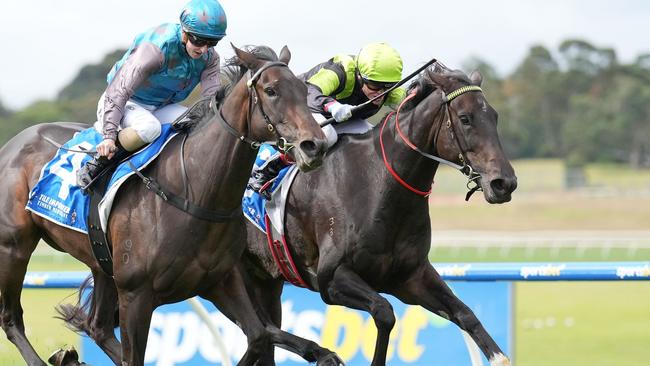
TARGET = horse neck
(218,164)
(421,126)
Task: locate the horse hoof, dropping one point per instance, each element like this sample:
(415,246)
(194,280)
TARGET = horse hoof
(331,359)
(63,357)
(55,357)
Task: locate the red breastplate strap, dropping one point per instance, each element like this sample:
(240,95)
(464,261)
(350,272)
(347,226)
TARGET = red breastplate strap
(408,143)
(282,257)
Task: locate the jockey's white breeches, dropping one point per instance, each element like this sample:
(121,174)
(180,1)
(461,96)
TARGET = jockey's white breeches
(144,119)
(351,126)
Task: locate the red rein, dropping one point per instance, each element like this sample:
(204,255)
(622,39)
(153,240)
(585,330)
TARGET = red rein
(408,143)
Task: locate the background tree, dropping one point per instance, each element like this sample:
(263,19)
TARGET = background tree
(4,112)
(76,102)
(534,106)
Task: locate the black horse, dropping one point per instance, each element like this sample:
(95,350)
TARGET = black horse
(162,254)
(360,224)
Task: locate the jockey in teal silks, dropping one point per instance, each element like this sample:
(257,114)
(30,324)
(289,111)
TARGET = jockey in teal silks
(334,87)
(160,69)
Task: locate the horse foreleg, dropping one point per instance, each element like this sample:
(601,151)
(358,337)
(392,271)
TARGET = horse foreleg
(229,295)
(427,289)
(136,309)
(15,252)
(267,294)
(348,289)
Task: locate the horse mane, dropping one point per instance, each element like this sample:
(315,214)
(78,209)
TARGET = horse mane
(425,85)
(234,70)
(230,74)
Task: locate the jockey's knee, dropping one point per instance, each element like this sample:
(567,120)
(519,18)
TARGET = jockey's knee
(148,131)
(130,139)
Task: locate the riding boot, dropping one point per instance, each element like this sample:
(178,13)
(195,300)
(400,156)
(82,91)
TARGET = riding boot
(263,177)
(87,174)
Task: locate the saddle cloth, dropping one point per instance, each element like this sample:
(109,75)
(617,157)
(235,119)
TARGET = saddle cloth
(56,196)
(256,207)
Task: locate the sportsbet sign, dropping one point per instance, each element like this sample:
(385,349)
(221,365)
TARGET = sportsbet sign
(179,337)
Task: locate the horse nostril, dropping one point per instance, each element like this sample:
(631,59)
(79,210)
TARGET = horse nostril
(498,186)
(503,186)
(309,147)
(513,184)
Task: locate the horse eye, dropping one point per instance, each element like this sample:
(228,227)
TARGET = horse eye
(465,120)
(270,92)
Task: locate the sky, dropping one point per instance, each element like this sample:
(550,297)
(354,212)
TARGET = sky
(46,42)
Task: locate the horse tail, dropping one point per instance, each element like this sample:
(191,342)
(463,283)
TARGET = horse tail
(76,317)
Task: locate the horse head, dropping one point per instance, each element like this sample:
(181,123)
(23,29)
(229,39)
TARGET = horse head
(277,108)
(472,140)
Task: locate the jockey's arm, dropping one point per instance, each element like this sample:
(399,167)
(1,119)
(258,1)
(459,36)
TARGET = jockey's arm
(210,77)
(320,88)
(141,63)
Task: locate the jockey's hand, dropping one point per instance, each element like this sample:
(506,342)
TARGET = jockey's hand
(106,148)
(340,112)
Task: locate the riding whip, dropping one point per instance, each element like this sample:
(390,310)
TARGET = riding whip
(397,85)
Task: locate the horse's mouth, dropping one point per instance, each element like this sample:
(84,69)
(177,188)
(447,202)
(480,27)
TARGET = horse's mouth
(306,165)
(493,198)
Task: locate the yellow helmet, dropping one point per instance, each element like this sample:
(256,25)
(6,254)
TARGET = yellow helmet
(379,62)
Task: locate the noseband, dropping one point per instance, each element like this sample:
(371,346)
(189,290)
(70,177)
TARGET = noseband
(282,144)
(466,168)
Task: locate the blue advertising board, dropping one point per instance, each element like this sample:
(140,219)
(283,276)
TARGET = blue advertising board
(178,337)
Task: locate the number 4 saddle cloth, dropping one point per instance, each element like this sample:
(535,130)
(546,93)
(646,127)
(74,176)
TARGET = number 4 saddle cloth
(56,196)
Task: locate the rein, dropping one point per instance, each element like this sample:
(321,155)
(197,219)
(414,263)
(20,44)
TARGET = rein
(466,168)
(60,146)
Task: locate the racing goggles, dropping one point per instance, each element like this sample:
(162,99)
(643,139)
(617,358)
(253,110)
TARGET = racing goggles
(377,85)
(200,42)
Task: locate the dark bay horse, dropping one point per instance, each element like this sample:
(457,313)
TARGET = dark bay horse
(161,254)
(354,230)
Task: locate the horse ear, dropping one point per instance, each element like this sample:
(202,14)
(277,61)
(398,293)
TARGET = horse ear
(247,59)
(285,55)
(476,77)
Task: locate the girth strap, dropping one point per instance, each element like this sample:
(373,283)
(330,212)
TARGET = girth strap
(99,244)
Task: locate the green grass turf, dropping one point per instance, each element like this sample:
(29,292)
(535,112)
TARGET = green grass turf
(582,324)
(46,333)
(518,254)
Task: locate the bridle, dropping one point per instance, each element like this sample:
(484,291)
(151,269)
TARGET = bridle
(281,143)
(465,168)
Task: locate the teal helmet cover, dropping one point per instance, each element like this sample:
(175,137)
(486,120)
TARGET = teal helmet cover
(204,18)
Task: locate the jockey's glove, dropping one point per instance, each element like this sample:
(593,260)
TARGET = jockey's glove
(340,112)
